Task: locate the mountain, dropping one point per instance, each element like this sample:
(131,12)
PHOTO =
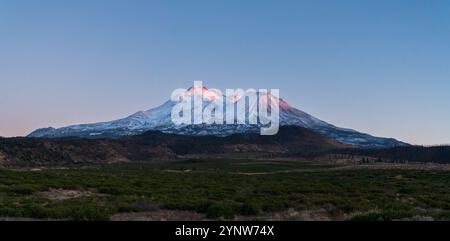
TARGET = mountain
(159,119)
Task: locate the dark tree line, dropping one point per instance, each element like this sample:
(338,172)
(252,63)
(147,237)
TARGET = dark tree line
(436,154)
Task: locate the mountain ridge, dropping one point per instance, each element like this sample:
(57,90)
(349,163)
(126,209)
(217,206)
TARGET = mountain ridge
(156,145)
(291,142)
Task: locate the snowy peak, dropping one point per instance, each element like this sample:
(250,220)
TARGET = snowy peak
(159,118)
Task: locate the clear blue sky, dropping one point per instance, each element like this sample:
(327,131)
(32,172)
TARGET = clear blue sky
(379,66)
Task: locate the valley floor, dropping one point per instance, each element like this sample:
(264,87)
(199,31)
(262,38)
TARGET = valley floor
(228,189)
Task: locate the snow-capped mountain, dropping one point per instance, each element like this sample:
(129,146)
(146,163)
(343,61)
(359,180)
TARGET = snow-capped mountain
(159,118)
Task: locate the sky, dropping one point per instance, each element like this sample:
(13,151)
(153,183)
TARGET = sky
(376,66)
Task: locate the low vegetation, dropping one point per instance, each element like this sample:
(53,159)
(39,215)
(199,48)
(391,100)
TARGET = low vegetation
(226,189)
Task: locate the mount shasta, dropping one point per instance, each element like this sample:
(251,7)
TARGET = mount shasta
(159,119)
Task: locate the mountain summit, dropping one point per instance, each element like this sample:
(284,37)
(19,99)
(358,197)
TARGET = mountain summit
(159,119)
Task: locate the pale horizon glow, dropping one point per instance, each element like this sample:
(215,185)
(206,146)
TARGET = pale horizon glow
(379,67)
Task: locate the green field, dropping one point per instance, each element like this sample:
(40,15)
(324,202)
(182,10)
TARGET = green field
(226,189)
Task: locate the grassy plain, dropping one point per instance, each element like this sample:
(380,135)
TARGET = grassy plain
(225,189)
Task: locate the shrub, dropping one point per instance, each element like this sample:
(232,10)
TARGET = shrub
(36,211)
(220,210)
(25,189)
(90,212)
(249,208)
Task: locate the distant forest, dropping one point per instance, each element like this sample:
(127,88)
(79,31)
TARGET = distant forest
(292,142)
(436,154)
